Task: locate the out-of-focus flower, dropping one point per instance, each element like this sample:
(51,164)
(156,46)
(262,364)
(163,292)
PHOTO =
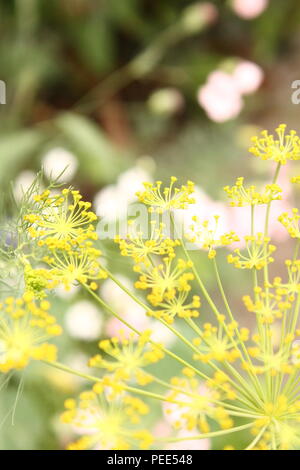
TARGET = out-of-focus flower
(22,183)
(113,200)
(249,9)
(124,306)
(206,209)
(234,218)
(161,334)
(220,97)
(248,77)
(199,15)
(59,161)
(131,312)
(83,321)
(61,292)
(166,101)
(106,424)
(25,328)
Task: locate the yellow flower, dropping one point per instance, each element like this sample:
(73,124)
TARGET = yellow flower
(25,328)
(161,200)
(292,286)
(295,179)
(107,425)
(140,247)
(284,147)
(207,238)
(38,281)
(291,223)
(241,196)
(280,425)
(268,306)
(62,217)
(214,343)
(257,254)
(164,279)
(79,264)
(177,305)
(194,405)
(228,374)
(129,356)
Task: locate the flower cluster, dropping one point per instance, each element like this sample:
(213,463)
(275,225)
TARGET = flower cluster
(257,253)
(25,328)
(105,424)
(130,356)
(232,379)
(140,247)
(241,196)
(291,222)
(280,149)
(160,200)
(207,237)
(62,228)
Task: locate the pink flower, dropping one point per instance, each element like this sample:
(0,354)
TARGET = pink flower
(220,97)
(249,9)
(162,429)
(248,77)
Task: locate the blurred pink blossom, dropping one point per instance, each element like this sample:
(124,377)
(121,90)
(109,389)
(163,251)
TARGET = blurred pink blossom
(162,428)
(237,219)
(248,77)
(249,9)
(220,97)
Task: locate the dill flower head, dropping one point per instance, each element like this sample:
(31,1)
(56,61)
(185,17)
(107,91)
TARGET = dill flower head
(292,285)
(268,306)
(218,342)
(196,405)
(76,264)
(25,328)
(207,237)
(140,247)
(164,279)
(61,226)
(38,281)
(295,179)
(256,255)
(162,199)
(291,222)
(280,148)
(178,305)
(241,196)
(104,424)
(129,356)
(60,217)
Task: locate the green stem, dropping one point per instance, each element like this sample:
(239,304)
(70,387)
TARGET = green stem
(209,434)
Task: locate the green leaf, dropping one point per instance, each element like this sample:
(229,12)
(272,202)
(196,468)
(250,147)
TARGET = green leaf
(15,148)
(100,160)
(94,41)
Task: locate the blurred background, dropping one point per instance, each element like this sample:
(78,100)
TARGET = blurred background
(123,91)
